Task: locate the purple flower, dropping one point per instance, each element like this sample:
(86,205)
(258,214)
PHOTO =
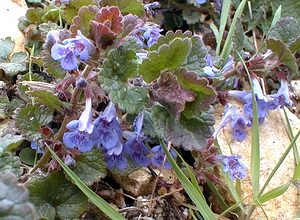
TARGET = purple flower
(72,48)
(197,2)
(117,161)
(107,131)
(281,98)
(158,157)
(209,69)
(147,35)
(134,145)
(80,132)
(234,166)
(36,146)
(151,7)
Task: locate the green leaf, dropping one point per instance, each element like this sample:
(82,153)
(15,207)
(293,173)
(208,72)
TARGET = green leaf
(121,64)
(10,142)
(223,20)
(47,98)
(27,156)
(6,47)
(205,94)
(16,64)
(168,57)
(168,92)
(287,30)
(289,7)
(127,6)
(195,60)
(190,133)
(284,55)
(82,21)
(196,196)
(72,9)
(31,118)
(272,194)
(14,204)
(34,15)
(130,99)
(9,164)
(93,197)
(90,167)
(54,192)
(296,175)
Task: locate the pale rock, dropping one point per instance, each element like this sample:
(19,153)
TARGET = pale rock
(138,183)
(10,12)
(273,142)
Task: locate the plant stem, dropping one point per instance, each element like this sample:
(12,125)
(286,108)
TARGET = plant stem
(59,135)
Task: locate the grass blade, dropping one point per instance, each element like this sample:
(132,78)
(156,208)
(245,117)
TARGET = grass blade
(93,197)
(272,194)
(223,21)
(193,193)
(228,43)
(255,148)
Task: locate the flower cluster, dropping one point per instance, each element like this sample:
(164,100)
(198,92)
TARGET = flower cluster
(265,103)
(234,166)
(70,49)
(105,133)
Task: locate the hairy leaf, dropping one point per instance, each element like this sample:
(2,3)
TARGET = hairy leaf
(121,64)
(83,20)
(47,98)
(168,57)
(31,118)
(106,26)
(55,197)
(129,98)
(27,156)
(289,7)
(90,167)
(287,30)
(167,91)
(195,60)
(131,23)
(284,55)
(9,164)
(16,64)
(6,47)
(205,94)
(127,6)
(72,9)
(14,204)
(10,142)
(191,134)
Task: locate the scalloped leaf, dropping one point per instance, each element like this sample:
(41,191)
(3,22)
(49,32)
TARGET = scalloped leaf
(56,197)
(284,55)
(121,64)
(168,37)
(6,47)
(106,26)
(10,142)
(73,7)
(195,60)
(129,98)
(14,203)
(287,30)
(127,6)
(16,64)
(168,92)
(191,134)
(31,118)
(90,167)
(10,164)
(48,99)
(168,57)
(205,94)
(289,7)
(83,20)
(131,23)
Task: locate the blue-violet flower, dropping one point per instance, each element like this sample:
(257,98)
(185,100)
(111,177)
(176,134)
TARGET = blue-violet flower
(72,48)
(158,157)
(147,35)
(234,166)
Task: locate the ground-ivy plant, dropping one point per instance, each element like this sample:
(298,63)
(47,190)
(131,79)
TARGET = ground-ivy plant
(107,89)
